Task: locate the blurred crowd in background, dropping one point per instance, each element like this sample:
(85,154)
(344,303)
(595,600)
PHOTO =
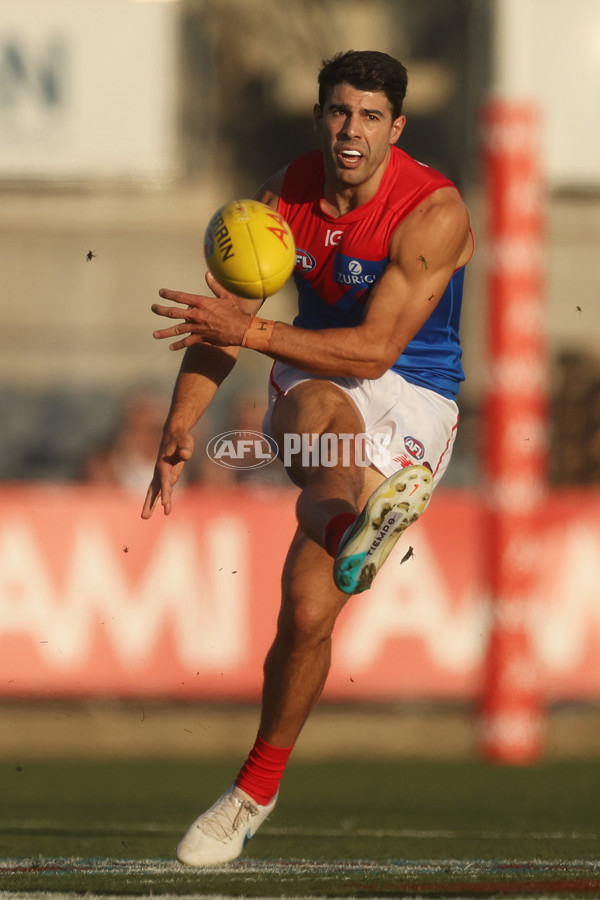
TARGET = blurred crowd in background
(108,439)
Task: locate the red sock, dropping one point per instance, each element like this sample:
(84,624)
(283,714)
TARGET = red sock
(335,530)
(261,773)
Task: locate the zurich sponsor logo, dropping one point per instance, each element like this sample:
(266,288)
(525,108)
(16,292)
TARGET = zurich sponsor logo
(357,273)
(304,260)
(414,447)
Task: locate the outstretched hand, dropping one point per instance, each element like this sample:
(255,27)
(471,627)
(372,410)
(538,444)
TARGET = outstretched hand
(217,320)
(175,450)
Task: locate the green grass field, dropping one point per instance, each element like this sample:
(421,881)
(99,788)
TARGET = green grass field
(342,828)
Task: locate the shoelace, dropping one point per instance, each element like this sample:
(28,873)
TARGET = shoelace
(227,818)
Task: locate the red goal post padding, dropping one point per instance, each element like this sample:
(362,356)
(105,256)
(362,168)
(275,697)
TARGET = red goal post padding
(515,427)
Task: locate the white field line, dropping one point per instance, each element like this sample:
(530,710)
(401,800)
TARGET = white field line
(299,867)
(295,831)
(65,895)
(427,834)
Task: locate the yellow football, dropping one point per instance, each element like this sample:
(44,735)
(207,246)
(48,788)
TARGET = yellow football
(249,248)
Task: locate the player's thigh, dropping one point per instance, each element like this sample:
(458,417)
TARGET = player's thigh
(315,407)
(315,424)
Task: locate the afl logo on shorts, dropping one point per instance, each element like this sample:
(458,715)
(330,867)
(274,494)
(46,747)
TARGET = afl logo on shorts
(414,447)
(304,261)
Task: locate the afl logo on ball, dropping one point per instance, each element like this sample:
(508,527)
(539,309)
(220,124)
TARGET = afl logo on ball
(414,447)
(209,243)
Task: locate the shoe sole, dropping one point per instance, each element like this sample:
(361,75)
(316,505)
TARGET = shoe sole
(396,504)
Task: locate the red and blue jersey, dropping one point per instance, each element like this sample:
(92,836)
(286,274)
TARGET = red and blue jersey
(338,260)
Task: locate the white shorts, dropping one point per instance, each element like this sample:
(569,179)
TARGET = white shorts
(405,425)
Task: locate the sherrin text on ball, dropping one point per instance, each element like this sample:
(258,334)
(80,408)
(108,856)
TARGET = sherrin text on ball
(249,248)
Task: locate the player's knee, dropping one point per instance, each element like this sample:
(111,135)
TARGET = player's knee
(306,623)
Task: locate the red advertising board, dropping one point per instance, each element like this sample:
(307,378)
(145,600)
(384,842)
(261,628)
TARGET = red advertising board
(95,602)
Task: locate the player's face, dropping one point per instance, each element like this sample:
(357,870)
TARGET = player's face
(357,129)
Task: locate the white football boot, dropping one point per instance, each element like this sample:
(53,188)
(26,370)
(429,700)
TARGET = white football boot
(391,508)
(220,834)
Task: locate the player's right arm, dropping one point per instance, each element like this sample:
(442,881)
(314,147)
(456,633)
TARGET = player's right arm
(202,371)
(199,377)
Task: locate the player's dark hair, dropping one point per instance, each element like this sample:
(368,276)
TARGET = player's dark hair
(366,70)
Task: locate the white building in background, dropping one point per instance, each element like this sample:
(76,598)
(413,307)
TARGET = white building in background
(93,88)
(548,52)
(88,89)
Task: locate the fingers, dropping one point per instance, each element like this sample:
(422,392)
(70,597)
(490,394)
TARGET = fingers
(158,489)
(173,454)
(185,446)
(150,501)
(217,289)
(165,492)
(173,312)
(175,331)
(180,297)
(169,312)
(171,331)
(204,320)
(182,344)
(165,499)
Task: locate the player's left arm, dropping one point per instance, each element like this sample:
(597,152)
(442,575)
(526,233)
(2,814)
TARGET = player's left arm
(425,251)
